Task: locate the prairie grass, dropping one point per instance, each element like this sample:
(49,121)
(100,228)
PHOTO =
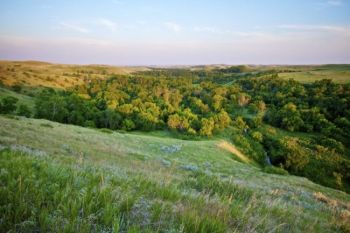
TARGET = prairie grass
(72,179)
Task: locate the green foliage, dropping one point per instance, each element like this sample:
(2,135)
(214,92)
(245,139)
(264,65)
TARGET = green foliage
(257,136)
(128,125)
(8,104)
(23,110)
(207,127)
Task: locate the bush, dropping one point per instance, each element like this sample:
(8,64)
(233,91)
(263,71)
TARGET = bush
(16,88)
(275,170)
(104,130)
(8,104)
(90,124)
(23,110)
(333,144)
(257,136)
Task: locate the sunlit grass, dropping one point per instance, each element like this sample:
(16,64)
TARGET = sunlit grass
(70,179)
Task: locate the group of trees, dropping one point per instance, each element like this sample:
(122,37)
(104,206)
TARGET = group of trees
(138,113)
(196,106)
(322,106)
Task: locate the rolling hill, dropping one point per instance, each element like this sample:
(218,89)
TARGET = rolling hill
(71,178)
(43,74)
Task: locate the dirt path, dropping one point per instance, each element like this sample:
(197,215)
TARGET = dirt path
(231,148)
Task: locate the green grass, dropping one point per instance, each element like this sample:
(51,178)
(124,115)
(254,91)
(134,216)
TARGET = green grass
(70,179)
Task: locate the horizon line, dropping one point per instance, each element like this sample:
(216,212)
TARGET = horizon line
(172,65)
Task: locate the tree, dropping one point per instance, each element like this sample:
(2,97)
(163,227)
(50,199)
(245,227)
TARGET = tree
(297,159)
(290,117)
(257,136)
(51,106)
(240,123)
(8,104)
(178,122)
(243,99)
(128,124)
(207,127)
(222,119)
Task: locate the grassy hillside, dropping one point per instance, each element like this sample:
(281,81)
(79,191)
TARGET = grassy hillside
(337,73)
(34,74)
(58,177)
(60,76)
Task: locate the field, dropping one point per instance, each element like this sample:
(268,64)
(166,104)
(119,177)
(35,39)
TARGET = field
(337,73)
(66,178)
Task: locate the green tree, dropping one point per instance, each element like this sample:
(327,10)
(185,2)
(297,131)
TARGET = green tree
(128,124)
(290,117)
(222,120)
(178,122)
(207,127)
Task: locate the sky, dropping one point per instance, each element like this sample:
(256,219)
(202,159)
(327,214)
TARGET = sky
(176,32)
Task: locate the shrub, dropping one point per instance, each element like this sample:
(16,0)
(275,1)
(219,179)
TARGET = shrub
(16,88)
(8,104)
(257,136)
(23,110)
(275,170)
(90,124)
(105,130)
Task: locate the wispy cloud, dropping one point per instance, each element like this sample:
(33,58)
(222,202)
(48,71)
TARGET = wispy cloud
(220,31)
(327,4)
(108,24)
(73,27)
(334,2)
(306,27)
(173,26)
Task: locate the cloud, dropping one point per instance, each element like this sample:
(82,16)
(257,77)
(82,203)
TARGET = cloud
(306,27)
(330,3)
(108,24)
(73,27)
(334,2)
(173,26)
(230,32)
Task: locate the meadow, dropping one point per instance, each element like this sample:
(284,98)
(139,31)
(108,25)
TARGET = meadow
(102,181)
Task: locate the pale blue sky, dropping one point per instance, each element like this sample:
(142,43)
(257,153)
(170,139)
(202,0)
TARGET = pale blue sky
(174,32)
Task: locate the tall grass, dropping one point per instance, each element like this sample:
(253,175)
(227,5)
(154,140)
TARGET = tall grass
(41,193)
